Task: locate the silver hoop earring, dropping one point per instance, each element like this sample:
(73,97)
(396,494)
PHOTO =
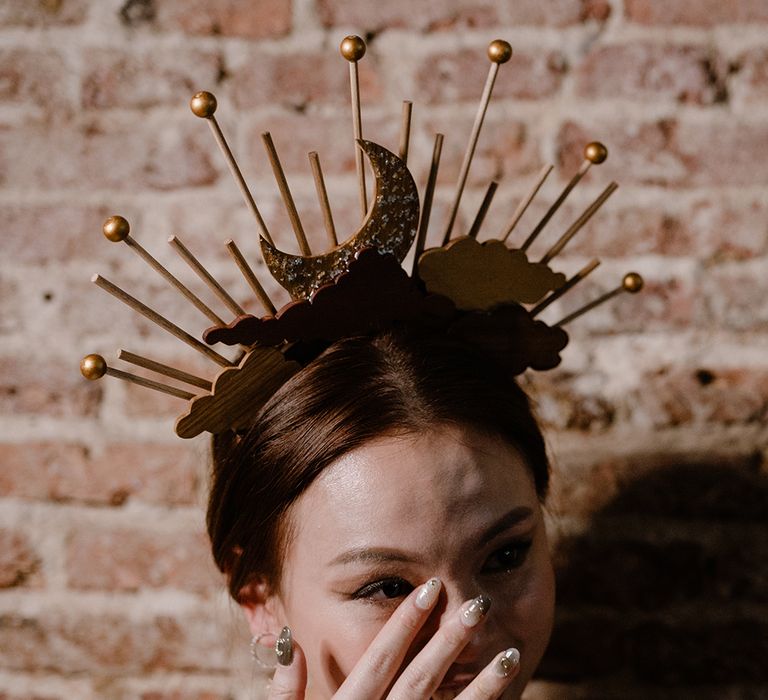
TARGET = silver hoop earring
(264,655)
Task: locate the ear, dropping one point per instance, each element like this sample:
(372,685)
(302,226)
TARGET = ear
(262,609)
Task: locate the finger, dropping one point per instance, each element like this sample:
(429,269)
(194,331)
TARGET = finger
(425,673)
(495,678)
(376,669)
(290,679)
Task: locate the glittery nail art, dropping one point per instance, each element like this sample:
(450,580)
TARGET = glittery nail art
(507,663)
(476,610)
(428,593)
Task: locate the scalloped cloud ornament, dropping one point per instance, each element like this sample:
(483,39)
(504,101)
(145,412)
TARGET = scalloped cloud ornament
(479,276)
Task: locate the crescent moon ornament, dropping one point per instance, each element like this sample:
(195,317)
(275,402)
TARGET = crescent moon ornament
(389,227)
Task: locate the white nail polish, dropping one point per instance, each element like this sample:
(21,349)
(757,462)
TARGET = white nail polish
(428,593)
(507,663)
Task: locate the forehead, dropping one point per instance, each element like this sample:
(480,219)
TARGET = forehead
(411,491)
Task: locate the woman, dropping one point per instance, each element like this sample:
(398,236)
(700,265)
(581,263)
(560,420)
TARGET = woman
(384,512)
(382,509)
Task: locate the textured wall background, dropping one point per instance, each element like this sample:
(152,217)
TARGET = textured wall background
(657,417)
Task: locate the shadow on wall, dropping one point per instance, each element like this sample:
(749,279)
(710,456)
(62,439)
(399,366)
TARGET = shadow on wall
(665,594)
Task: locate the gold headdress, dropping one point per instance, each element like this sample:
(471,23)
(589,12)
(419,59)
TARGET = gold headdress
(484,292)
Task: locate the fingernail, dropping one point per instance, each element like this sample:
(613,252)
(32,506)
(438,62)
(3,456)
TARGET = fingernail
(476,610)
(428,593)
(507,663)
(284,647)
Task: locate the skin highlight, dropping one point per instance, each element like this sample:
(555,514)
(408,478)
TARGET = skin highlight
(451,502)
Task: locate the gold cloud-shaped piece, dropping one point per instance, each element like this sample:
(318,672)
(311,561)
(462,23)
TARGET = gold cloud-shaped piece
(238,394)
(479,276)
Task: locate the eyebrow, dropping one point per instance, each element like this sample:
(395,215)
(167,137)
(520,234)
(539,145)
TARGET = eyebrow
(505,522)
(380,555)
(373,555)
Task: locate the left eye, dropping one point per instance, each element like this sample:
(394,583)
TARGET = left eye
(386,589)
(509,557)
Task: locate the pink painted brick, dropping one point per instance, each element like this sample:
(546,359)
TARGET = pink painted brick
(644,71)
(42,13)
(115,78)
(70,472)
(265,19)
(704,13)
(132,560)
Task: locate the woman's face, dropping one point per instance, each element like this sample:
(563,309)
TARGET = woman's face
(451,503)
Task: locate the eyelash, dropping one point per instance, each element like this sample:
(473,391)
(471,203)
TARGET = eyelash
(368,591)
(519,548)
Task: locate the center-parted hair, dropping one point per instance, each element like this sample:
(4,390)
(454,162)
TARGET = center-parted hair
(359,389)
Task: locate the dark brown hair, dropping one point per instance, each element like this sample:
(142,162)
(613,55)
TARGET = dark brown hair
(359,389)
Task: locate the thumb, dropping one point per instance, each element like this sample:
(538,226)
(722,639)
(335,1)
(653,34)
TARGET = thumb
(290,679)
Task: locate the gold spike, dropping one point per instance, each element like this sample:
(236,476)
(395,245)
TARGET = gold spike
(594,153)
(322,196)
(155,317)
(95,366)
(577,225)
(285,193)
(486,203)
(631,283)
(206,276)
(203,105)
(526,201)
(560,291)
(250,277)
(498,52)
(163,369)
(405,130)
(353,49)
(426,207)
(117,228)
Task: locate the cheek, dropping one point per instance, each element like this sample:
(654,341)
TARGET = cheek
(532,614)
(334,636)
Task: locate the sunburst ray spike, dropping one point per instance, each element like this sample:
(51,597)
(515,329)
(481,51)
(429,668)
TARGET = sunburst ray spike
(499,52)
(567,287)
(250,277)
(95,367)
(285,193)
(203,104)
(426,206)
(577,225)
(352,48)
(594,154)
(322,196)
(165,370)
(117,229)
(483,210)
(632,283)
(159,320)
(186,255)
(405,131)
(525,202)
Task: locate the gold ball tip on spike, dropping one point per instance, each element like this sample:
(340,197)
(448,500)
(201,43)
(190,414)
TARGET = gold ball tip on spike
(632,282)
(595,152)
(352,48)
(499,51)
(93,367)
(203,104)
(116,229)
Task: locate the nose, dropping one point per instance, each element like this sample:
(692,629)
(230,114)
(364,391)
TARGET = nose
(456,594)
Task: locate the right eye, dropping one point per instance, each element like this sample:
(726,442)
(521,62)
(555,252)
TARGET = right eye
(383,590)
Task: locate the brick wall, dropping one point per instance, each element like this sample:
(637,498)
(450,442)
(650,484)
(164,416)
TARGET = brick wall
(656,418)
